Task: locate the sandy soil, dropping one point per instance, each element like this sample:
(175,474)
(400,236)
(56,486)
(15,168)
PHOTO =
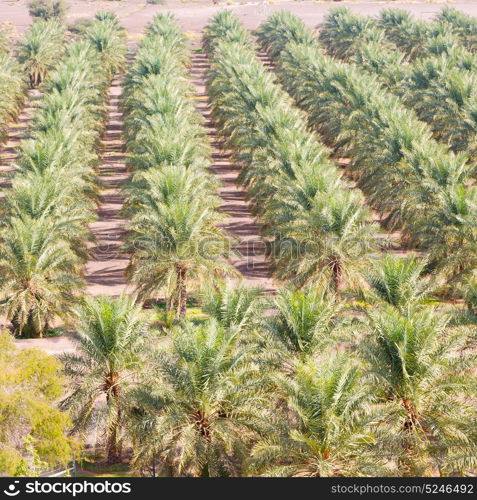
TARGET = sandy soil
(250,260)
(193,14)
(105,269)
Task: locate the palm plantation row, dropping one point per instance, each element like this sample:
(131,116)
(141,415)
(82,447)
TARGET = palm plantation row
(174,238)
(52,198)
(318,229)
(439,83)
(414,182)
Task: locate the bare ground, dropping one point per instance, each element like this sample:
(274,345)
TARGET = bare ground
(250,260)
(105,269)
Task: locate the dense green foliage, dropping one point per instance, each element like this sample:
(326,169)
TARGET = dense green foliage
(52,199)
(174,236)
(318,228)
(48,9)
(32,429)
(40,49)
(414,182)
(355,366)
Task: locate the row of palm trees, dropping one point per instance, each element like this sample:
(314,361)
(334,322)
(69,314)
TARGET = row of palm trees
(174,235)
(415,183)
(45,216)
(462,25)
(317,228)
(441,87)
(12,89)
(303,390)
(37,52)
(417,38)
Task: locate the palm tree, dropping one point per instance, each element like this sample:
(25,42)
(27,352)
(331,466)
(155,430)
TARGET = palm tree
(108,38)
(112,337)
(234,306)
(399,282)
(12,90)
(39,275)
(188,412)
(332,423)
(342,31)
(303,321)
(330,241)
(175,239)
(53,196)
(421,370)
(279,29)
(41,48)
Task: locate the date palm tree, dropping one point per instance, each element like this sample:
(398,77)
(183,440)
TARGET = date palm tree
(332,425)
(12,90)
(174,237)
(303,322)
(330,241)
(420,368)
(188,412)
(398,282)
(41,48)
(112,337)
(39,275)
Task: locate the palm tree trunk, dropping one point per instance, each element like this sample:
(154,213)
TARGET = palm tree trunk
(114,455)
(182,291)
(113,446)
(336,273)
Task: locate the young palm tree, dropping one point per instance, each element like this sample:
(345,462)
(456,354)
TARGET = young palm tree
(41,48)
(39,275)
(397,281)
(176,244)
(234,306)
(12,90)
(461,24)
(189,414)
(331,428)
(112,338)
(303,322)
(419,367)
(330,242)
(108,38)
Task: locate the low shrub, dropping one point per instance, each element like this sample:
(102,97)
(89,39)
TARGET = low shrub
(48,9)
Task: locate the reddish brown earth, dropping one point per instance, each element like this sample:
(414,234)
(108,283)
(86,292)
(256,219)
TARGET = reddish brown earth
(104,271)
(250,258)
(16,132)
(193,15)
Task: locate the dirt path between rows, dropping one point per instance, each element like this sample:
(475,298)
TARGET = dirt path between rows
(104,271)
(240,223)
(16,132)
